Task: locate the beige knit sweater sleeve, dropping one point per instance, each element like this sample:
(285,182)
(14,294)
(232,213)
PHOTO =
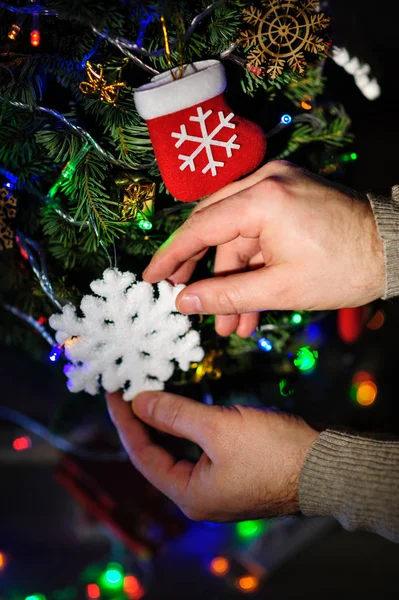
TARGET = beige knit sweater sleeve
(349,477)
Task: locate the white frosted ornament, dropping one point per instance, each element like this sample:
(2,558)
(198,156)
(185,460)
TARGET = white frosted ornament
(126,339)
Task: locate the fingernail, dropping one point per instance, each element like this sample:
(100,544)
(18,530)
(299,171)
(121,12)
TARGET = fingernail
(190,305)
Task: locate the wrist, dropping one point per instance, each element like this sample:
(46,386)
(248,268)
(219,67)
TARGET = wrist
(296,456)
(386,222)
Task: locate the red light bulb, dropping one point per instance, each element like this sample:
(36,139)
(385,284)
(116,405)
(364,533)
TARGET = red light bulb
(35,37)
(22,443)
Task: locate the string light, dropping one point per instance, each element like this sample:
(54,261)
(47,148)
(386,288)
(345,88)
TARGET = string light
(306,358)
(36,597)
(250,529)
(32,252)
(144,223)
(37,325)
(377,321)
(8,414)
(296,319)
(35,38)
(366,393)
(369,87)
(3,561)
(220,566)
(22,443)
(352,156)
(285,388)
(305,104)
(112,578)
(248,583)
(55,354)
(364,389)
(286,119)
(80,132)
(133,588)
(362,376)
(93,591)
(69,170)
(14,32)
(35,33)
(265,345)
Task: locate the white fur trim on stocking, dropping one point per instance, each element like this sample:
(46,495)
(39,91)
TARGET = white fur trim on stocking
(201,81)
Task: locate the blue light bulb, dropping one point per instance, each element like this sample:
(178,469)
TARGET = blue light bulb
(286,119)
(265,345)
(55,354)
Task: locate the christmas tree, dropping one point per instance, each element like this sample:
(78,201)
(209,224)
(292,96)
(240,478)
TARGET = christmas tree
(87,183)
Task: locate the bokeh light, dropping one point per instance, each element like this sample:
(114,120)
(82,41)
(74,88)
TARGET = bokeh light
(306,358)
(250,529)
(265,345)
(93,591)
(361,376)
(133,588)
(220,566)
(3,561)
(248,583)
(22,443)
(306,105)
(112,578)
(366,393)
(377,321)
(364,389)
(296,319)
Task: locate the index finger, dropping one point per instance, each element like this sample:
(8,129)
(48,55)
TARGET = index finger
(160,468)
(216,224)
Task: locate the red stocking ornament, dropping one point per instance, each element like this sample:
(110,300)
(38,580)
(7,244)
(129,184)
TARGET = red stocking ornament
(199,143)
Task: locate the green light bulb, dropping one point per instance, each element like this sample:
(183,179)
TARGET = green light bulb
(144,224)
(250,529)
(354,156)
(296,319)
(36,597)
(306,358)
(112,578)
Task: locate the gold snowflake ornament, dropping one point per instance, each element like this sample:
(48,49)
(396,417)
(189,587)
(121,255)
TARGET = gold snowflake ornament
(281,32)
(8,211)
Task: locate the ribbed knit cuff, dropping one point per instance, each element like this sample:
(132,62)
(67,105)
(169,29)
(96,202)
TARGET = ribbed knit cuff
(354,480)
(386,213)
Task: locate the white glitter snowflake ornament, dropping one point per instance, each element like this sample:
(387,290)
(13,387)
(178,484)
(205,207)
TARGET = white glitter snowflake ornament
(127,338)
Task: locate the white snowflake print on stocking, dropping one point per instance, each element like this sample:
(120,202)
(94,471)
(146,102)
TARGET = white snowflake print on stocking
(206,141)
(126,339)
(200,144)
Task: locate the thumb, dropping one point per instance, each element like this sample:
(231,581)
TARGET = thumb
(181,417)
(267,288)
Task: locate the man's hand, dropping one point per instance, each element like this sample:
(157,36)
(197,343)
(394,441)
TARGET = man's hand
(251,458)
(286,240)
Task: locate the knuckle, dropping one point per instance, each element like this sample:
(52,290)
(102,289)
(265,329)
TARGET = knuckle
(283,164)
(169,412)
(195,219)
(228,300)
(273,187)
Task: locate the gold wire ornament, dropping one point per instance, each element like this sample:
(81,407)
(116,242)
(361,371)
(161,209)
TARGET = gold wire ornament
(138,196)
(168,53)
(209,367)
(281,32)
(8,210)
(97,84)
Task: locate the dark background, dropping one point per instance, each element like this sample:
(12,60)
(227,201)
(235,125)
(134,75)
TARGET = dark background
(50,539)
